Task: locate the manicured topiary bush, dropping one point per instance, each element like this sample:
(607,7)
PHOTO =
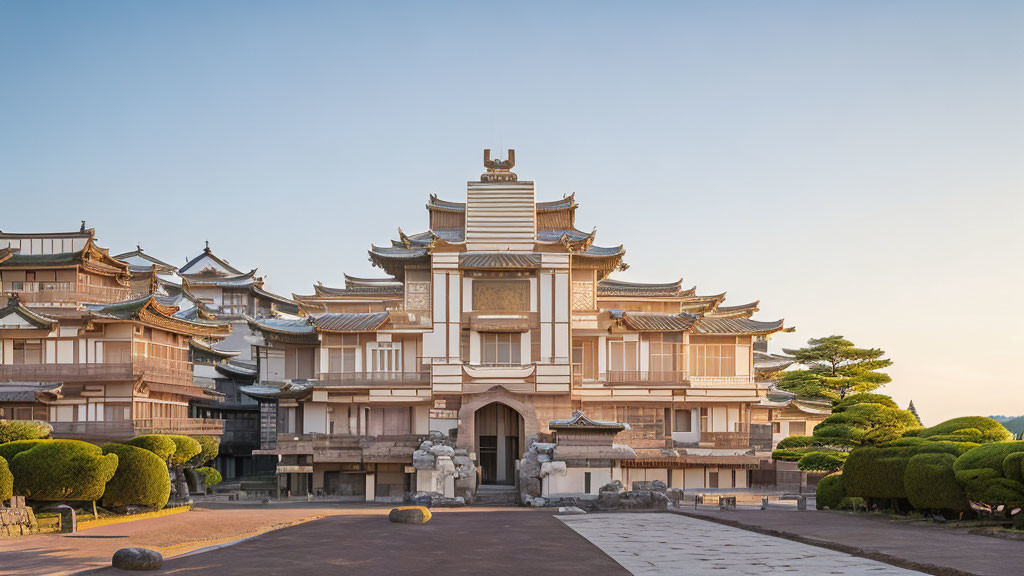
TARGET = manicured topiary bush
(185,448)
(141,478)
(159,444)
(1013,467)
(878,472)
(6,481)
(830,492)
(62,470)
(796,442)
(210,447)
(930,483)
(11,430)
(863,398)
(211,476)
(9,449)
(966,429)
(865,424)
(989,456)
(820,461)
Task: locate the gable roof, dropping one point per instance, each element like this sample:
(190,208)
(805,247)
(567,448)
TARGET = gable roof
(36,320)
(205,255)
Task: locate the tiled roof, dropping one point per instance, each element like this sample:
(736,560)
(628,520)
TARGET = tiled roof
(236,281)
(739,311)
(708,325)
(398,251)
(566,203)
(580,421)
(652,322)
(275,390)
(609,287)
(350,322)
(28,391)
(208,253)
(139,260)
(604,251)
(498,260)
(283,326)
(353,281)
(379,290)
(14,306)
(560,204)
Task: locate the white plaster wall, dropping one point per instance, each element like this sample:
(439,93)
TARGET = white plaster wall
(314,418)
(524,348)
(719,419)
(694,478)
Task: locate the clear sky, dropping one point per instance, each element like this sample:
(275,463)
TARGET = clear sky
(858,166)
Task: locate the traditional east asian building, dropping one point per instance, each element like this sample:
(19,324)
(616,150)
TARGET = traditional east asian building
(77,351)
(496,325)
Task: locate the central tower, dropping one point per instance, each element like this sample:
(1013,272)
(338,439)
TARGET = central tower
(500,210)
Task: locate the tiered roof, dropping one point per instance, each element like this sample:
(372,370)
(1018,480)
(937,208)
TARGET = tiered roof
(147,310)
(30,318)
(90,257)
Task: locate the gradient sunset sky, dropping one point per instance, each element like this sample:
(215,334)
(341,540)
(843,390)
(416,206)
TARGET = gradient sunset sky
(858,166)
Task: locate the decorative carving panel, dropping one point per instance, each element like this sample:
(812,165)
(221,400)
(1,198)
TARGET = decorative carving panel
(583,296)
(501,295)
(417,295)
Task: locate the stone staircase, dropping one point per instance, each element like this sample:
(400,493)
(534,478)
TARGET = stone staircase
(496,495)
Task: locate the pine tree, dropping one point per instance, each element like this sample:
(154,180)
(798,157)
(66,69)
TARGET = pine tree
(835,368)
(913,411)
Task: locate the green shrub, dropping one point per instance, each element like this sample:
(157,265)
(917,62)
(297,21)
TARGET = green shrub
(210,446)
(988,456)
(873,472)
(966,429)
(141,478)
(863,398)
(8,450)
(1018,521)
(185,448)
(931,484)
(797,442)
(211,476)
(11,430)
(159,444)
(822,461)
(6,481)
(62,470)
(793,455)
(1013,467)
(830,492)
(853,503)
(989,487)
(865,424)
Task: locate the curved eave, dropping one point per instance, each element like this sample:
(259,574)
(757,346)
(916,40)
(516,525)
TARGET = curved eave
(736,327)
(209,349)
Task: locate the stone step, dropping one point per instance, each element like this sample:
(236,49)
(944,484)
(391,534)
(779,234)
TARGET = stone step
(496,495)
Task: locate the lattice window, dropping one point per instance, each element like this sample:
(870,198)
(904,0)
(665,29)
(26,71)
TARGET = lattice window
(583,296)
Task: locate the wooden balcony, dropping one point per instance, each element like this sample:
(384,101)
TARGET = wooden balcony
(373,379)
(151,369)
(77,295)
(679,377)
(348,447)
(114,430)
(725,439)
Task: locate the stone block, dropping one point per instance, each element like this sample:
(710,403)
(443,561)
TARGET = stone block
(409,515)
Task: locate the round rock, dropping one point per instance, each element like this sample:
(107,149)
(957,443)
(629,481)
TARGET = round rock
(409,515)
(137,559)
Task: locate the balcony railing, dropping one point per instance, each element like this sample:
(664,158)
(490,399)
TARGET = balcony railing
(355,379)
(726,439)
(37,293)
(647,377)
(124,429)
(322,443)
(701,381)
(153,369)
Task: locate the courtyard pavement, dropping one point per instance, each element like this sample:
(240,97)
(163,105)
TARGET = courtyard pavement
(934,548)
(659,544)
(467,541)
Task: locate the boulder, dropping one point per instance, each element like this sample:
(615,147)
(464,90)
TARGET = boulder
(543,447)
(422,499)
(409,515)
(613,486)
(652,485)
(423,460)
(426,445)
(445,465)
(461,452)
(442,450)
(542,458)
(538,502)
(570,510)
(137,559)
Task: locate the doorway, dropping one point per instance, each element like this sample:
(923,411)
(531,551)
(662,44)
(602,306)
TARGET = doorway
(499,432)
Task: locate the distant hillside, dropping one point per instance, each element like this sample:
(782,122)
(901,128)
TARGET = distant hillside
(1013,424)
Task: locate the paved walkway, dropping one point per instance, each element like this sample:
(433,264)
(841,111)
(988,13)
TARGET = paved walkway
(53,554)
(468,541)
(659,544)
(937,549)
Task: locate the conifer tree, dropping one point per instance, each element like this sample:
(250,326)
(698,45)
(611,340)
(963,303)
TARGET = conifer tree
(912,410)
(835,368)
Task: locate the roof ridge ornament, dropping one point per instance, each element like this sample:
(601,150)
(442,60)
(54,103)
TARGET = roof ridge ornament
(499,170)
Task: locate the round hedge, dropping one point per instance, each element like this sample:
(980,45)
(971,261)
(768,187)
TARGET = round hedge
(878,472)
(930,483)
(62,470)
(11,430)
(159,444)
(830,492)
(9,449)
(210,446)
(185,448)
(796,442)
(989,456)
(866,424)
(210,475)
(1013,467)
(976,429)
(822,461)
(863,398)
(141,478)
(6,481)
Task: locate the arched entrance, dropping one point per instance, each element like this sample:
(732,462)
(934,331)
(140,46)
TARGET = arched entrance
(499,437)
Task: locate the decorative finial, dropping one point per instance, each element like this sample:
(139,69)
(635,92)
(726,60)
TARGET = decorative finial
(499,170)
(207,249)
(83,226)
